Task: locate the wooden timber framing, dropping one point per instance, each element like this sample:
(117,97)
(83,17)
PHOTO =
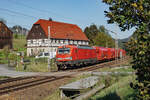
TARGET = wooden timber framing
(36,32)
(6,36)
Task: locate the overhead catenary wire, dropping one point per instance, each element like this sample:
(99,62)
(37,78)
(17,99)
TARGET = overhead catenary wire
(18,24)
(18,13)
(43,10)
(27,6)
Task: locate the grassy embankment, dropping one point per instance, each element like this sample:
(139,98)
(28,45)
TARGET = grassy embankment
(3,77)
(118,91)
(120,88)
(117,86)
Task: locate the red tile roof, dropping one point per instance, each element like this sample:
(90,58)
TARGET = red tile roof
(62,30)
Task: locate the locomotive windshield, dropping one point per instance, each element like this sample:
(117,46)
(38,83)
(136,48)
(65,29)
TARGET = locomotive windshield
(63,50)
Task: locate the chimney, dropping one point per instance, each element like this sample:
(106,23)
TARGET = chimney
(50,19)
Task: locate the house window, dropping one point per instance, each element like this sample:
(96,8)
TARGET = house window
(61,41)
(31,51)
(57,41)
(31,41)
(87,43)
(43,41)
(54,41)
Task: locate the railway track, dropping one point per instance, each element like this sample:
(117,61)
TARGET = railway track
(101,65)
(19,83)
(12,84)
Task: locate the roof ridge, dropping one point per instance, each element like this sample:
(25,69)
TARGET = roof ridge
(58,22)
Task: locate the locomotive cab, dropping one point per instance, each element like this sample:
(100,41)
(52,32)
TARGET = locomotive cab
(64,54)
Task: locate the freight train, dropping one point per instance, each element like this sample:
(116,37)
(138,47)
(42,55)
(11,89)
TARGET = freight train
(71,56)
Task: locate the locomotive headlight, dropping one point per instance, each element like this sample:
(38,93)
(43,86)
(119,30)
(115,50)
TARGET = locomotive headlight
(69,58)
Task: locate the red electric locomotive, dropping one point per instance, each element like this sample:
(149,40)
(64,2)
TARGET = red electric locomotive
(70,56)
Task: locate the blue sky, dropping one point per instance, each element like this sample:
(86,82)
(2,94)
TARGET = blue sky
(80,12)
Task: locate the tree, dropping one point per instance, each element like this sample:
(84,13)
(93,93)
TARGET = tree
(104,40)
(99,36)
(91,32)
(104,30)
(128,14)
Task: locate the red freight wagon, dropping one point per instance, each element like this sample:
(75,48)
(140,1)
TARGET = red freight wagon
(104,53)
(70,55)
(122,53)
(98,53)
(101,53)
(111,53)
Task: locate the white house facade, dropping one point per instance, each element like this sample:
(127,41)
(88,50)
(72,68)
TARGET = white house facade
(42,39)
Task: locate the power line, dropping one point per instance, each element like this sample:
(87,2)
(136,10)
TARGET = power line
(18,24)
(27,6)
(18,13)
(42,10)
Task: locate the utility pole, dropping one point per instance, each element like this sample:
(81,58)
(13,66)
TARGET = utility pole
(49,47)
(116,46)
(21,32)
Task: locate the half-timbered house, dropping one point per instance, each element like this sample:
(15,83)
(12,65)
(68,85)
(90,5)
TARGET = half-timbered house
(6,36)
(47,35)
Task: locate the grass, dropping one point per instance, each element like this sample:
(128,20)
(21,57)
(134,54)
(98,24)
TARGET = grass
(125,69)
(37,65)
(118,91)
(19,44)
(56,94)
(4,77)
(129,69)
(34,66)
(107,80)
(117,86)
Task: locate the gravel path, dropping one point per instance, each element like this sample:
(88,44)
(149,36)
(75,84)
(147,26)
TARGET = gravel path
(10,72)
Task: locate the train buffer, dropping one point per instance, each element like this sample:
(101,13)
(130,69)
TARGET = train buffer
(74,89)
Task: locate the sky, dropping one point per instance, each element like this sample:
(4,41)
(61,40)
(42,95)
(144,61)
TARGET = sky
(80,12)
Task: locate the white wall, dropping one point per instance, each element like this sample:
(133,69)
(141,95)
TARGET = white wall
(37,45)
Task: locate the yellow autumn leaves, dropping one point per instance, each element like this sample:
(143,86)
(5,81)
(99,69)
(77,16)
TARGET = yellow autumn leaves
(137,6)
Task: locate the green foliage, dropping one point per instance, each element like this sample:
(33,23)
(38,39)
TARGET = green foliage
(128,14)
(37,65)
(99,36)
(118,90)
(91,32)
(104,40)
(19,43)
(16,36)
